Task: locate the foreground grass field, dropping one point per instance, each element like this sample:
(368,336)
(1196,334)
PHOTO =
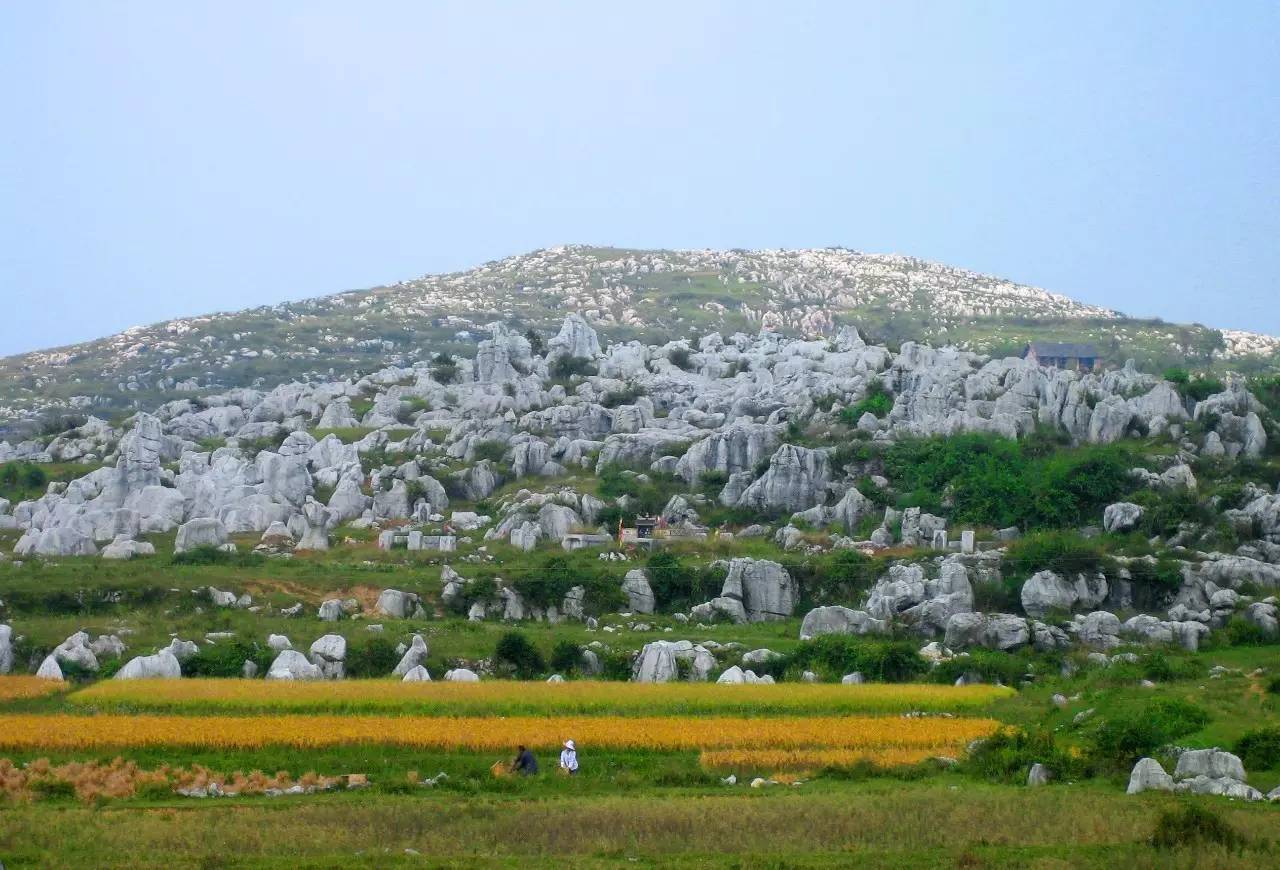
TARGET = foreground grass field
(877,824)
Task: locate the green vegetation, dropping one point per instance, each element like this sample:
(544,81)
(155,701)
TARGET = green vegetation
(996,481)
(877,402)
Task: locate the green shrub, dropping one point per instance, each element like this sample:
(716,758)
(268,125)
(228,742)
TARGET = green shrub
(1200,388)
(565,657)
(209,555)
(537,346)
(226,659)
(1242,632)
(1126,737)
(490,450)
(444,368)
(999,482)
(1007,756)
(877,660)
(1164,511)
(989,665)
(566,367)
(371,656)
(1273,685)
(1164,667)
(681,358)
(1260,748)
(1192,825)
(1062,552)
(877,402)
(675,585)
(515,653)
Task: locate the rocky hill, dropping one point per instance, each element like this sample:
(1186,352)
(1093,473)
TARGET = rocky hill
(652,295)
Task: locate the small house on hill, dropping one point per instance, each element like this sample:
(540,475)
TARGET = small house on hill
(1063,355)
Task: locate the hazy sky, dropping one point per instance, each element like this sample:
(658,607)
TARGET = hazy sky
(161,159)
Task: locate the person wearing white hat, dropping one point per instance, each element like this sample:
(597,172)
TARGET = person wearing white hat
(569,758)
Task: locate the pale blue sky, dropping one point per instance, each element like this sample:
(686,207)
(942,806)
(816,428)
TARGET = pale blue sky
(161,159)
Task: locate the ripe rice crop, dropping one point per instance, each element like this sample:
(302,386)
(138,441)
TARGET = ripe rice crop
(669,733)
(504,698)
(817,759)
(21,688)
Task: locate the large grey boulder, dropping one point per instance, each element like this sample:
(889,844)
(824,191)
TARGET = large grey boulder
(1123,516)
(329,654)
(418,674)
(1148,775)
(397,604)
(656,663)
(293,665)
(57,541)
(735,449)
(75,651)
(835,619)
(182,649)
(576,338)
(415,656)
(162,665)
(49,669)
(1213,763)
(1047,592)
(107,646)
(999,631)
(797,479)
(6,649)
(765,589)
(200,532)
(722,606)
(330,610)
(461,675)
(638,591)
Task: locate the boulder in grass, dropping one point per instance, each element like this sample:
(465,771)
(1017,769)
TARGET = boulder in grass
(416,674)
(49,669)
(1213,763)
(415,656)
(462,675)
(162,665)
(293,665)
(1148,775)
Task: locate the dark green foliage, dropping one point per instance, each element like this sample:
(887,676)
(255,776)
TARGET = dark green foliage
(625,396)
(566,367)
(1273,686)
(1063,552)
(1260,749)
(999,482)
(877,401)
(209,555)
(371,656)
(53,789)
(1007,756)
(988,665)
(1242,632)
(1164,511)
(565,657)
(1161,577)
(490,450)
(409,406)
(712,481)
(546,585)
(444,368)
(1165,667)
(842,576)
(681,358)
(878,660)
(1191,825)
(676,585)
(226,659)
(515,653)
(536,344)
(646,498)
(1202,387)
(1126,737)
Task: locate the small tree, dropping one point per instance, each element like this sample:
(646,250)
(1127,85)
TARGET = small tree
(516,653)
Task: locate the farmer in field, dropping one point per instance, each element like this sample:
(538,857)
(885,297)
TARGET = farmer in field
(525,764)
(569,758)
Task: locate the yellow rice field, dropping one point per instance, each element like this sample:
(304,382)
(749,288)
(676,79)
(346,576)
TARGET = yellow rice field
(524,698)
(20,688)
(670,733)
(814,759)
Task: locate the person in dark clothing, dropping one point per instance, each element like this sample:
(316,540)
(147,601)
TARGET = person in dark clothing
(525,764)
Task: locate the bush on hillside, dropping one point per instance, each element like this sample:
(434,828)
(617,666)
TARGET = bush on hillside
(1259,749)
(1191,825)
(371,656)
(1124,738)
(1062,552)
(515,653)
(833,655)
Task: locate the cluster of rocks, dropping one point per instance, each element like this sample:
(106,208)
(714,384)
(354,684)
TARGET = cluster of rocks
(722,412)
(1198,771)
